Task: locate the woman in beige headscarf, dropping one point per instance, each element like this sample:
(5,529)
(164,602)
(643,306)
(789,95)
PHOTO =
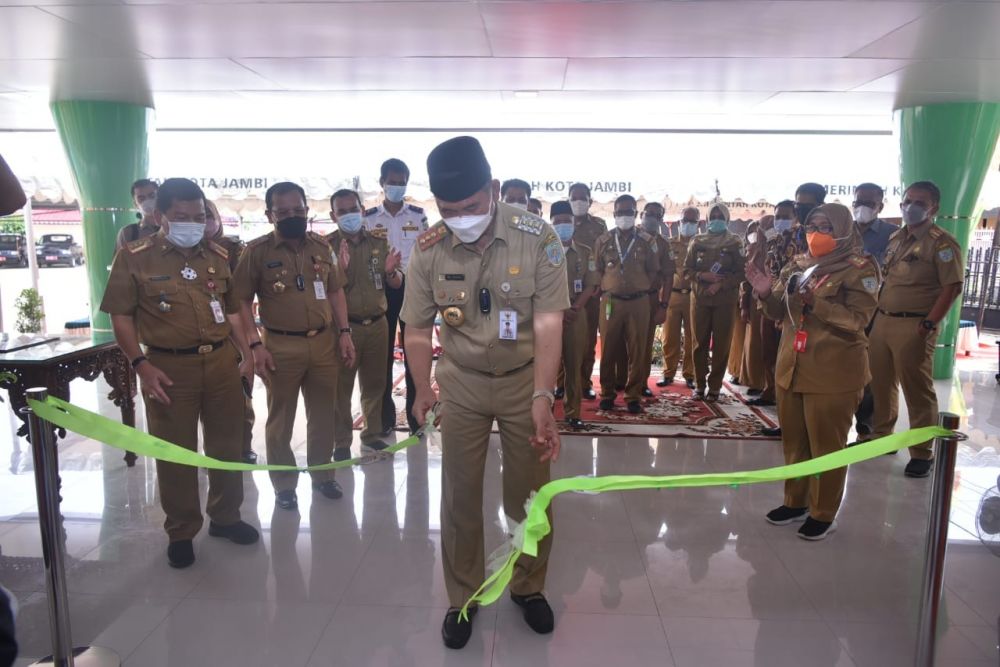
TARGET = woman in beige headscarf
(825,298)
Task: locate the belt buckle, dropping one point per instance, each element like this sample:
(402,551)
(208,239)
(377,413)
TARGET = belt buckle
(311,333)
(365,323)
(205,349)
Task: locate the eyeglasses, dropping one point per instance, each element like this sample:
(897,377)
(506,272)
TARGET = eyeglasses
(625,214)
(822,228)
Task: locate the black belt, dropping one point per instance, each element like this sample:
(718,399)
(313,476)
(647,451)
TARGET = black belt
(922,316)
(629,297)
(199,349)
(303,334)
(366,322)
(681,291)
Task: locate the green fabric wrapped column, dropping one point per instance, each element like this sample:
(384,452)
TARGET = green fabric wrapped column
(106,144)
(950,144)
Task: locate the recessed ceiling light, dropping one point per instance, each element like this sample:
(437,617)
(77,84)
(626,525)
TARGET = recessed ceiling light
(525,94)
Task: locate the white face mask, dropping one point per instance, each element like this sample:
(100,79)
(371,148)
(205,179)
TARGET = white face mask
(864,214)
(752,237)
(147,206)
(914,214)
(186,234)
(580,207)
(468,228)
(516,204)
(770,233)
(395,193)
(782,224)
(688,228)
(625,222)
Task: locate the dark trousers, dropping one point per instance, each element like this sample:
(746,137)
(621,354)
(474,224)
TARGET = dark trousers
(394,297)
(866,410)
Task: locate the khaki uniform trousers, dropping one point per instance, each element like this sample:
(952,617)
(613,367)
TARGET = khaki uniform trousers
(310,365)
(770,337)
(593,310)
(713,328)
(813,425)
(900,356)
(738,339)
(369,368)
(206,388)
(752,370)
(574,340)
(628,324)
(647,359)
(470,401)
(678,319)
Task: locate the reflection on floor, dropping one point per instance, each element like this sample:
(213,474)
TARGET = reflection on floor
(675,577)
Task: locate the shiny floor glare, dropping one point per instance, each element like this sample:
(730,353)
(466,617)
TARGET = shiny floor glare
(687,577)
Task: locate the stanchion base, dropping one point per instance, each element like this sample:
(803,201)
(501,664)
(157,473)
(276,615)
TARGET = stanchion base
(88,656)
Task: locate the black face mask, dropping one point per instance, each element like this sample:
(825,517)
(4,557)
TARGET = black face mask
(292,228)
(802,211)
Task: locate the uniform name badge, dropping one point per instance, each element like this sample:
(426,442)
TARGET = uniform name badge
(508,325)
(577,286)
(716,268)
(799,344)
(217,313)
(320,289)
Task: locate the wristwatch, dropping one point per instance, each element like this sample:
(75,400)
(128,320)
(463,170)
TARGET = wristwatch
(546,394)
(930,325)
(138,360)
(345,330)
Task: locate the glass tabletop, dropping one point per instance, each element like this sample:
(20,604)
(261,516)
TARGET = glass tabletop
(46,350)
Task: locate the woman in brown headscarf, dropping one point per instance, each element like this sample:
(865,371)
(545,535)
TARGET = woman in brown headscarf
(825,298)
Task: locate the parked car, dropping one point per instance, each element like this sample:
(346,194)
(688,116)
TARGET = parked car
(13,250)
(58,249)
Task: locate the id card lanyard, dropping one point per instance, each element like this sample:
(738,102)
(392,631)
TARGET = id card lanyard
(622,256)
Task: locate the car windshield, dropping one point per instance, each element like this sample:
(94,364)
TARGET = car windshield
(8,241)
(61,239)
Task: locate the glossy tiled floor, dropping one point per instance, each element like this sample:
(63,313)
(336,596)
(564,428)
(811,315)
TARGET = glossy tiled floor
(677,577)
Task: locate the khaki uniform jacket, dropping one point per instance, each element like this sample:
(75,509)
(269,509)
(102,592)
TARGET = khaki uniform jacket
(723,252)
(269,269)
(679,248)
(366,278)
(589,230)
(917,266)
(233,246)
(523,270)
(151,271)
(641,269)
(581,269)
(835,359)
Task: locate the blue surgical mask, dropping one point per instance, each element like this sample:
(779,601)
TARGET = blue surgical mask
(565,231)
(688,228)
(717,226)
(395,193)
(350,222)
(782,224)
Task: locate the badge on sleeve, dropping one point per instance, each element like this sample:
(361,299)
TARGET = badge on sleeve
(554,252)
(870,283)
(945,254)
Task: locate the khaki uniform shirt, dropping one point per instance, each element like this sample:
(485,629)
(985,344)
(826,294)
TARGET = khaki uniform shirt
(724,254)
(679,248)
(835,359)
(523,268)
(581,270)
(233,246)
(589,230)
(269,269)
(667,263)
(641,268)
(134,232)
(366,278)
(917,266)
(152,271)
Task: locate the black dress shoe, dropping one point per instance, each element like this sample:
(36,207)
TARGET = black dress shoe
(559,392)
(537,612)
(665,382)
(330,489)
(180,554)
(771,432)
(606,404)
(634,407)
(760,402)
(374,447)
(456,632)
(734,380)
(690,384)
(342,454)
(754,392)
(648,393)
(918,468)
(576,424)
(249,456)
(287,500)
(240,532)
(619,387)
(589,394)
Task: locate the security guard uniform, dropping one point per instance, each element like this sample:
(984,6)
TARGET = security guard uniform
(586,232)
(234,246)
(712,315)
(918,264)
(366,307)
(679,316)
(486,373)
(629,265)
(291,281)
(819,386)
(179,299)
(581,274)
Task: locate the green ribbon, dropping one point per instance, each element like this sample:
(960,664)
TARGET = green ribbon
(98,427)
(536,525)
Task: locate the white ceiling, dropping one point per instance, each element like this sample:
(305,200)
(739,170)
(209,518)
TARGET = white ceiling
(713,64)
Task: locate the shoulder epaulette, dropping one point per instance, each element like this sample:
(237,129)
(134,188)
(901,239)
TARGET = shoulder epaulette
(135,247)
(861,262)
(432,236)
(936,232)
(318,237)
(599,221)
(258,241)
(218,249)
(371,211)
(329,237)
(415,209)
(646,236)
(528,222)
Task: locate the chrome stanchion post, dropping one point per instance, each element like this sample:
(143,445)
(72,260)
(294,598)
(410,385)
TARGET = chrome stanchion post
(46,460)
(945,452)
